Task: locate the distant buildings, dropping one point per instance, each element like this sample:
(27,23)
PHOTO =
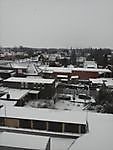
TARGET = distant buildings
(82,73)
(33,81)
(90,64)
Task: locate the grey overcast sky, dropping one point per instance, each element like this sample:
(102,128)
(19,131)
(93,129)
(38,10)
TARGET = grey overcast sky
(56,23)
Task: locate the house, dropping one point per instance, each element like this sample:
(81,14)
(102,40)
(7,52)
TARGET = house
(5,73)
(14,94)
(86,73)
(82,73)
(95,83)
(90,64)
(45,121)
(62,78)
(17,95)
(45,86)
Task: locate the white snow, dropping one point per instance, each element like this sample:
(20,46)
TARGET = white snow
(23,141)
(15,94)
(100,136)
(108,81)
(67,105)
(45,114)
(7,103)
(61,143)
(62,76)
(69,70)
(31,80)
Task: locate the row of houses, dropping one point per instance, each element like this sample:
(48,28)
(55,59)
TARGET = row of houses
(46,87)
(82,73)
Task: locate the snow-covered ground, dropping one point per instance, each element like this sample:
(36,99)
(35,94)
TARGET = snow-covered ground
(67,105)
(100,136)
(61,143)
(60,105)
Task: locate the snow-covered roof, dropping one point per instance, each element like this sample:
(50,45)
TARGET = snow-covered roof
(69,70)
(100,136)
(1,79)
(18,66)
(96,81)
(90,64)
(6,71)
(56,69)
(48,71)
(62,76)
(92,70)
(78,117)
(64,80)
(24,141)
(15,94)
(74,77)
(34,92)
(7,103)
(108,81)
(31,80)
(2,89)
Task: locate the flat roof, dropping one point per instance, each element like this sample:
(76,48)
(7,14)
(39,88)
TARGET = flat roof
(78,117)
(24,141)
(96,81)
(62,76)
(15,94)
(30,80)
(56,69)
(6,71)
(34,92)
(69,70)
(17,66)
(100,135)
(108,81)
(7,103)
(2,89)
(91,70)
(74,77)
(64,79)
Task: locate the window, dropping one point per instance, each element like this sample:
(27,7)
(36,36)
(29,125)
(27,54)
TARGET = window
(40,125)
(72,128)
(1,121)
(39,86)
(24,123)
(22,84)
(11,122)
(35,85)
(26,85)
(83,128)
(55,126)
(42,86)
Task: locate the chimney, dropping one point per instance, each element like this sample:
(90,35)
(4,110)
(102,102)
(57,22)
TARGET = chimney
(8,96)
